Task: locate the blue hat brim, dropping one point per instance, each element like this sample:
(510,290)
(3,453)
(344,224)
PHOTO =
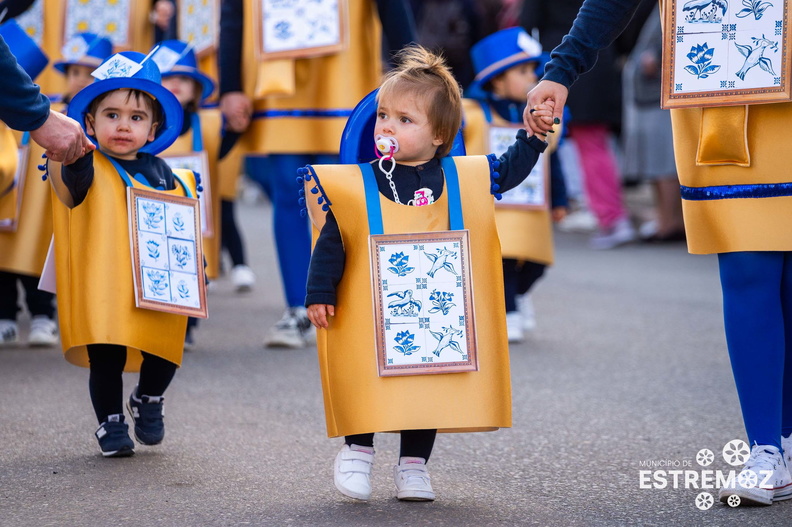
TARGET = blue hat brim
(62,64)
(481,82)
(172,111)
(207,84)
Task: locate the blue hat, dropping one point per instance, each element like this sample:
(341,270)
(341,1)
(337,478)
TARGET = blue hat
(115,74)
(28,54)
(357,139)
(84,49)
(501,50)
(175,57)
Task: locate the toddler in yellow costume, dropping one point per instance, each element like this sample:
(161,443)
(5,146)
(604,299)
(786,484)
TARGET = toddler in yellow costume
(131,117)
(419,114)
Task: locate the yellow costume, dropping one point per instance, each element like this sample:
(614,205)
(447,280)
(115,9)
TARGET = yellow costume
(8,167)
(25,250)
(211,125)
(524,234)
(307,93)
(96,299)
(356,400)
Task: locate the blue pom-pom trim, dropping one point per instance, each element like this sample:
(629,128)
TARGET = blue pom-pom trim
(306,174)
(44,168)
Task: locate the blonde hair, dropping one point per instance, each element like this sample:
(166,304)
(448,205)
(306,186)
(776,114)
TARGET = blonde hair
(425,76)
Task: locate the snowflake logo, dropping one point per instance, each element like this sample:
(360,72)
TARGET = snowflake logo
(736,452)
(705,457)
(704,501)
(748,479)
(733,500)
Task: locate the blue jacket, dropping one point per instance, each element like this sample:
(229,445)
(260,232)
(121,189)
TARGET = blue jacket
(22,105)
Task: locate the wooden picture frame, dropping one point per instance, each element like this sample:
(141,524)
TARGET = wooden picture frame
(423,299)
(102,18)
(10,224)
(198,163)
(199,22)
(725,53)
(279,28)
(167,252)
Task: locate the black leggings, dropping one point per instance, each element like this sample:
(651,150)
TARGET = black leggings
(230,238)
(518,278)
(414,443)
(105,383)
(38,302)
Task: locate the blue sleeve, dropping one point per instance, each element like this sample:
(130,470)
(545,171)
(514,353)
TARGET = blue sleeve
(398,24)
(597,25)
(558,192)
(327,265)
(22,105)
(229,53)
(515,165)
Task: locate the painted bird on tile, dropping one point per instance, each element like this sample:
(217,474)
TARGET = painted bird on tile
(705,10)
(440,261)
(404,302)
(755,55)
(445,339)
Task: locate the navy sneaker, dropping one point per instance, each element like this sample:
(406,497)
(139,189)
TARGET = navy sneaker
(113,437)
(147,414)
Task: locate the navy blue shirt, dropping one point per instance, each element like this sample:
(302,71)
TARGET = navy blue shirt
(78,177)
(22,105)
(597,25)
(328,258)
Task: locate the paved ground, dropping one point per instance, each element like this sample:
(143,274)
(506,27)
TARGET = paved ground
(627,371)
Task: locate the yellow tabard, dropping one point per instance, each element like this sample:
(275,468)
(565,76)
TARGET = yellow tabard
(230,168)
(93,266)
(211,125)
(356,399)
(709,146)
(8,167)
(524,234)
(25,250)
(324,84)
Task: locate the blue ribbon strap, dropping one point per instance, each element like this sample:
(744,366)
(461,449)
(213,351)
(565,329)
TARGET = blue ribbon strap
(373,208)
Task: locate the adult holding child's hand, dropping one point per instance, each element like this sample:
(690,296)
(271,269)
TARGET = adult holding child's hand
(63,138)
(546,92)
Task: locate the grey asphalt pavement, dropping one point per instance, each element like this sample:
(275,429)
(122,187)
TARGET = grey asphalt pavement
(626,372)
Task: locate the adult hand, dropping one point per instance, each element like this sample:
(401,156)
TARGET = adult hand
(543,92)
(237,108)
(62,138)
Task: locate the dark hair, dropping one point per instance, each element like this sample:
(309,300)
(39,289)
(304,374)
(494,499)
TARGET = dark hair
(148,101)
(426,76)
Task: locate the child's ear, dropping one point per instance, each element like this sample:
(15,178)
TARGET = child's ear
(437,141)
(153,132)
(89,120)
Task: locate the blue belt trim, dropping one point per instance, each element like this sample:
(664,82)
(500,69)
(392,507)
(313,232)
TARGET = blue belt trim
(142,180)
(374,210)
(195,123)
(767,190)
(302,113)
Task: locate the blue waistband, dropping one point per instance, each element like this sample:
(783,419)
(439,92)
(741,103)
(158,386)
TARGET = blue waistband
(302,113)
(767,190)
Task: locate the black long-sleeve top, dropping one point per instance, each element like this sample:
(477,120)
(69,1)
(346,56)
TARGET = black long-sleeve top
(398,27)
(78,177)
(328,258)
(22,105)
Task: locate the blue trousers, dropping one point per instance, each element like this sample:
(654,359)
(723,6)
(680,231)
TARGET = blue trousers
(757,311)
(277,176)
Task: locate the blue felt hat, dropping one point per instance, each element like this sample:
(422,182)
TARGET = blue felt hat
(175,57)
(115,74)
(84,49)
(357,139)
(500,51)
(28,54)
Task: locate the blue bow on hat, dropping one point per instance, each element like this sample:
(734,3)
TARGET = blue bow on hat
(500,51)
(28,54)
(133,71)
(175,57)
(84,49)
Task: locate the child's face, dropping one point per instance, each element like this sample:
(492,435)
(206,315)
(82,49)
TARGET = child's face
(122,125)
(182,86)
(77,78)
(516,82)
(405,118)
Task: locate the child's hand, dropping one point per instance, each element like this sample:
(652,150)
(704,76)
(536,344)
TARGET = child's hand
(559,213)
(542,115)
(318,313)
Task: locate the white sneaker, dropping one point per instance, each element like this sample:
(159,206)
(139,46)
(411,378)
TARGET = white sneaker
(764,479)
(8,332)
(352,473)
(293,330)
(786,445)
(526,308)
(580,220)
(412,480)
(243,278)
(622,232)
(43,332)
(514,326)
